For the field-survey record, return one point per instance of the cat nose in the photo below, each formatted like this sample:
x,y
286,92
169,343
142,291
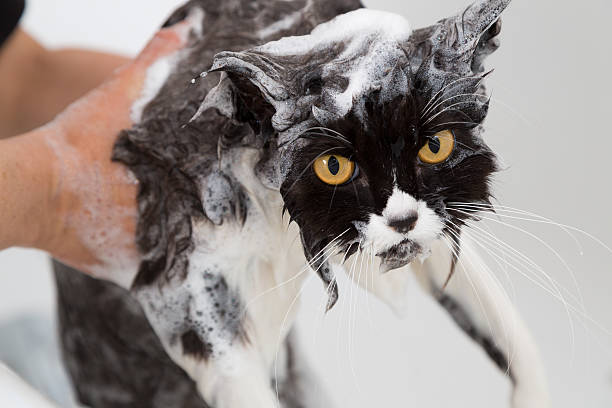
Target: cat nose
x,y
404,225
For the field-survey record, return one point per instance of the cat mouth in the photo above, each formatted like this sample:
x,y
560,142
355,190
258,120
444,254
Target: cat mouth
x,y
398,255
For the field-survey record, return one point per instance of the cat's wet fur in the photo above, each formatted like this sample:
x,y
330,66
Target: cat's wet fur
x,y
219,159
167,201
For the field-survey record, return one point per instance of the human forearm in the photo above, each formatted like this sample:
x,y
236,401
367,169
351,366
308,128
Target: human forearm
x,y
38,83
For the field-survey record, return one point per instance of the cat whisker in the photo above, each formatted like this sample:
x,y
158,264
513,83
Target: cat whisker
x,y
518,114
469,279
450,109
475,100
323,132
331,201
456,246
540,219
554,292
548,246
502,266
511,351
284,322
504,325
280,340
579,311
330,130
334,137
522,259
356,193
342,312
446,124
322,305
324,302
445,87
323,252
458,143
369,280
353,310
510,355
433,108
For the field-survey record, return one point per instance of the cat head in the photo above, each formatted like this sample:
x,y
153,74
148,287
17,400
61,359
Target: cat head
x,y
376,129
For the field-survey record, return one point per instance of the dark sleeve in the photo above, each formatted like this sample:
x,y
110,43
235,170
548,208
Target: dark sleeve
x,y
10,13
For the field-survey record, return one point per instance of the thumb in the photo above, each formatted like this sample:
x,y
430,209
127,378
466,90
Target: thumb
x,y
165,43
110,104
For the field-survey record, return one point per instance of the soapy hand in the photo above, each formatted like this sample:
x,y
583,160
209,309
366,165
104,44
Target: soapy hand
x,y
60,190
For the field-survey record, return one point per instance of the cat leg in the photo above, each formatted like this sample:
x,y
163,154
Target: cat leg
x,y
204,331
481,308
236,380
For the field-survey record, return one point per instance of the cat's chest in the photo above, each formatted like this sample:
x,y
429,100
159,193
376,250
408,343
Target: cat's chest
x,y
257,255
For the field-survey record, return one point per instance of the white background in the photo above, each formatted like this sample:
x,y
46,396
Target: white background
x,y
549,122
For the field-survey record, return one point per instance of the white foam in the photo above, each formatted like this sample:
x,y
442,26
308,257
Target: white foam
x,y
372,41
351,27
97,221
158,73
280,25
156,77
253,259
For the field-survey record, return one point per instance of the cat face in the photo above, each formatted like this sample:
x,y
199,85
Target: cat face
x,y
383,185
376,128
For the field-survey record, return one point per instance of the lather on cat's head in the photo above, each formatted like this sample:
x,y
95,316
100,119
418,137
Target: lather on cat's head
x,y
378,127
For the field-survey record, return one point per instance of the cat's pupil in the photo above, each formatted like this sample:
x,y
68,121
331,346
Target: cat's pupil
x,y
434,145
333,165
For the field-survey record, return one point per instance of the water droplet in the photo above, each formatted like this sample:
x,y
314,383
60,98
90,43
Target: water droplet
x,y
193,81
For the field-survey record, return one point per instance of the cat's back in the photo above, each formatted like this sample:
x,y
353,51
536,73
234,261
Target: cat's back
x,y
112,354
110,351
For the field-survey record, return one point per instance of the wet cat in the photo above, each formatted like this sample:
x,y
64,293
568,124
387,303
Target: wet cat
x,y
320,134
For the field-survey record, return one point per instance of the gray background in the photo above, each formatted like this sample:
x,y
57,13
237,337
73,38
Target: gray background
x,y
548,122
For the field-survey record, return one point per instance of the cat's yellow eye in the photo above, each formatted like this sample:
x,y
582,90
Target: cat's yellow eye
x,y
333,169
437,148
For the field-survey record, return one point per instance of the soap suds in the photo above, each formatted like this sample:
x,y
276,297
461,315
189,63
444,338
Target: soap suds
x,y
158,73
281,25
96,221
156,77
349,27
372,45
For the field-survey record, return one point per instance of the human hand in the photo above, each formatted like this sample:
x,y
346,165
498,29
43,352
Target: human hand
x,y
60,190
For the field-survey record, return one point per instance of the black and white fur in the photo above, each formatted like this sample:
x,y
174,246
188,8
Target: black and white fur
x,y
232,216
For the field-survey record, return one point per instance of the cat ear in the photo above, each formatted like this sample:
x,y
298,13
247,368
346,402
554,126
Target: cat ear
x,y
256,78
254,68
461,43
